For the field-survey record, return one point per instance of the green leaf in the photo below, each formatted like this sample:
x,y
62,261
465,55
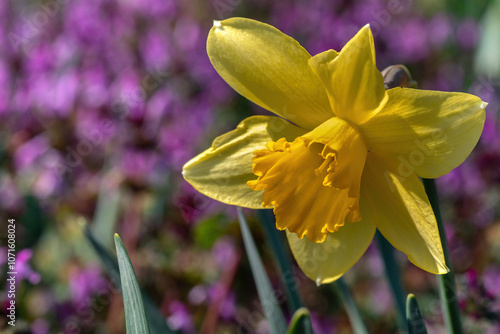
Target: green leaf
x,y
277,245
135,316
416,324
157,322
300,322
267,296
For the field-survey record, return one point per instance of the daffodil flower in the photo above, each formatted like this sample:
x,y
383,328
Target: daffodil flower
x,y
344,156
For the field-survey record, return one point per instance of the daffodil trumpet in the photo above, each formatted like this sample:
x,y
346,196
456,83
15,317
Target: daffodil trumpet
x,y
342,157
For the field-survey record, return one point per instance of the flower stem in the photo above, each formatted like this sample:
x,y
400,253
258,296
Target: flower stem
x,y
446,281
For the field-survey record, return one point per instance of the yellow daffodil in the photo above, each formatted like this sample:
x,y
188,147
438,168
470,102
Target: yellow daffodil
x,y
344,156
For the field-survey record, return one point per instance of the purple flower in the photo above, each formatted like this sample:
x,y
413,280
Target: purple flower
x,y
22,267
409,43
10,194
31,151
156,49
139,165
94,86
382,300
5,77
467,34
439,30
85,283
198,295
225,253
40,326
87,21
180,318
491,281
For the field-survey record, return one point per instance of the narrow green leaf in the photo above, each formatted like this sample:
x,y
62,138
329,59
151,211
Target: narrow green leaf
x,y
277,246
416,324
157,322
300,322
266,293
136,320
358,326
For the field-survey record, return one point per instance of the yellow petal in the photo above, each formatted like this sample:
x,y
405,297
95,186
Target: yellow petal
x,y
355,86
270,69
325,262
313,182
400,209
427,132
222,171
348,149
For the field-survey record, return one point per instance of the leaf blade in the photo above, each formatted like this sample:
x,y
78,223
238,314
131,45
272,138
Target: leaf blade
x,y
157,322
266,294
135,316
300,322
416,323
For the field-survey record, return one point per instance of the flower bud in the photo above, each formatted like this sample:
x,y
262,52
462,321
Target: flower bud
x,y
397,76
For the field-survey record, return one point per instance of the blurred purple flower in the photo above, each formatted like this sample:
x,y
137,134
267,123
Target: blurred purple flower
x,y
198,295
40,326
467,34
22,266
322,325
382,300
94,86
10,194
187,35
228,307
464,180
86,21
439,30
5,77
156,49
85,283
491,280
490,138
31,151
225,253
54,95
495,328
128,94
409,42
139,165
180,318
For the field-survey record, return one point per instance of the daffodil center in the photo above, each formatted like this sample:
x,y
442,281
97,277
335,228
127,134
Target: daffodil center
x,y
314,181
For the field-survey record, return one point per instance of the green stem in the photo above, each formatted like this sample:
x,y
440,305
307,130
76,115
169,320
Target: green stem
x,y
446,281
358,326
394,277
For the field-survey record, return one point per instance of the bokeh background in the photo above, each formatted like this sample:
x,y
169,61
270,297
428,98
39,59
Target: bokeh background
x,y
103,101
